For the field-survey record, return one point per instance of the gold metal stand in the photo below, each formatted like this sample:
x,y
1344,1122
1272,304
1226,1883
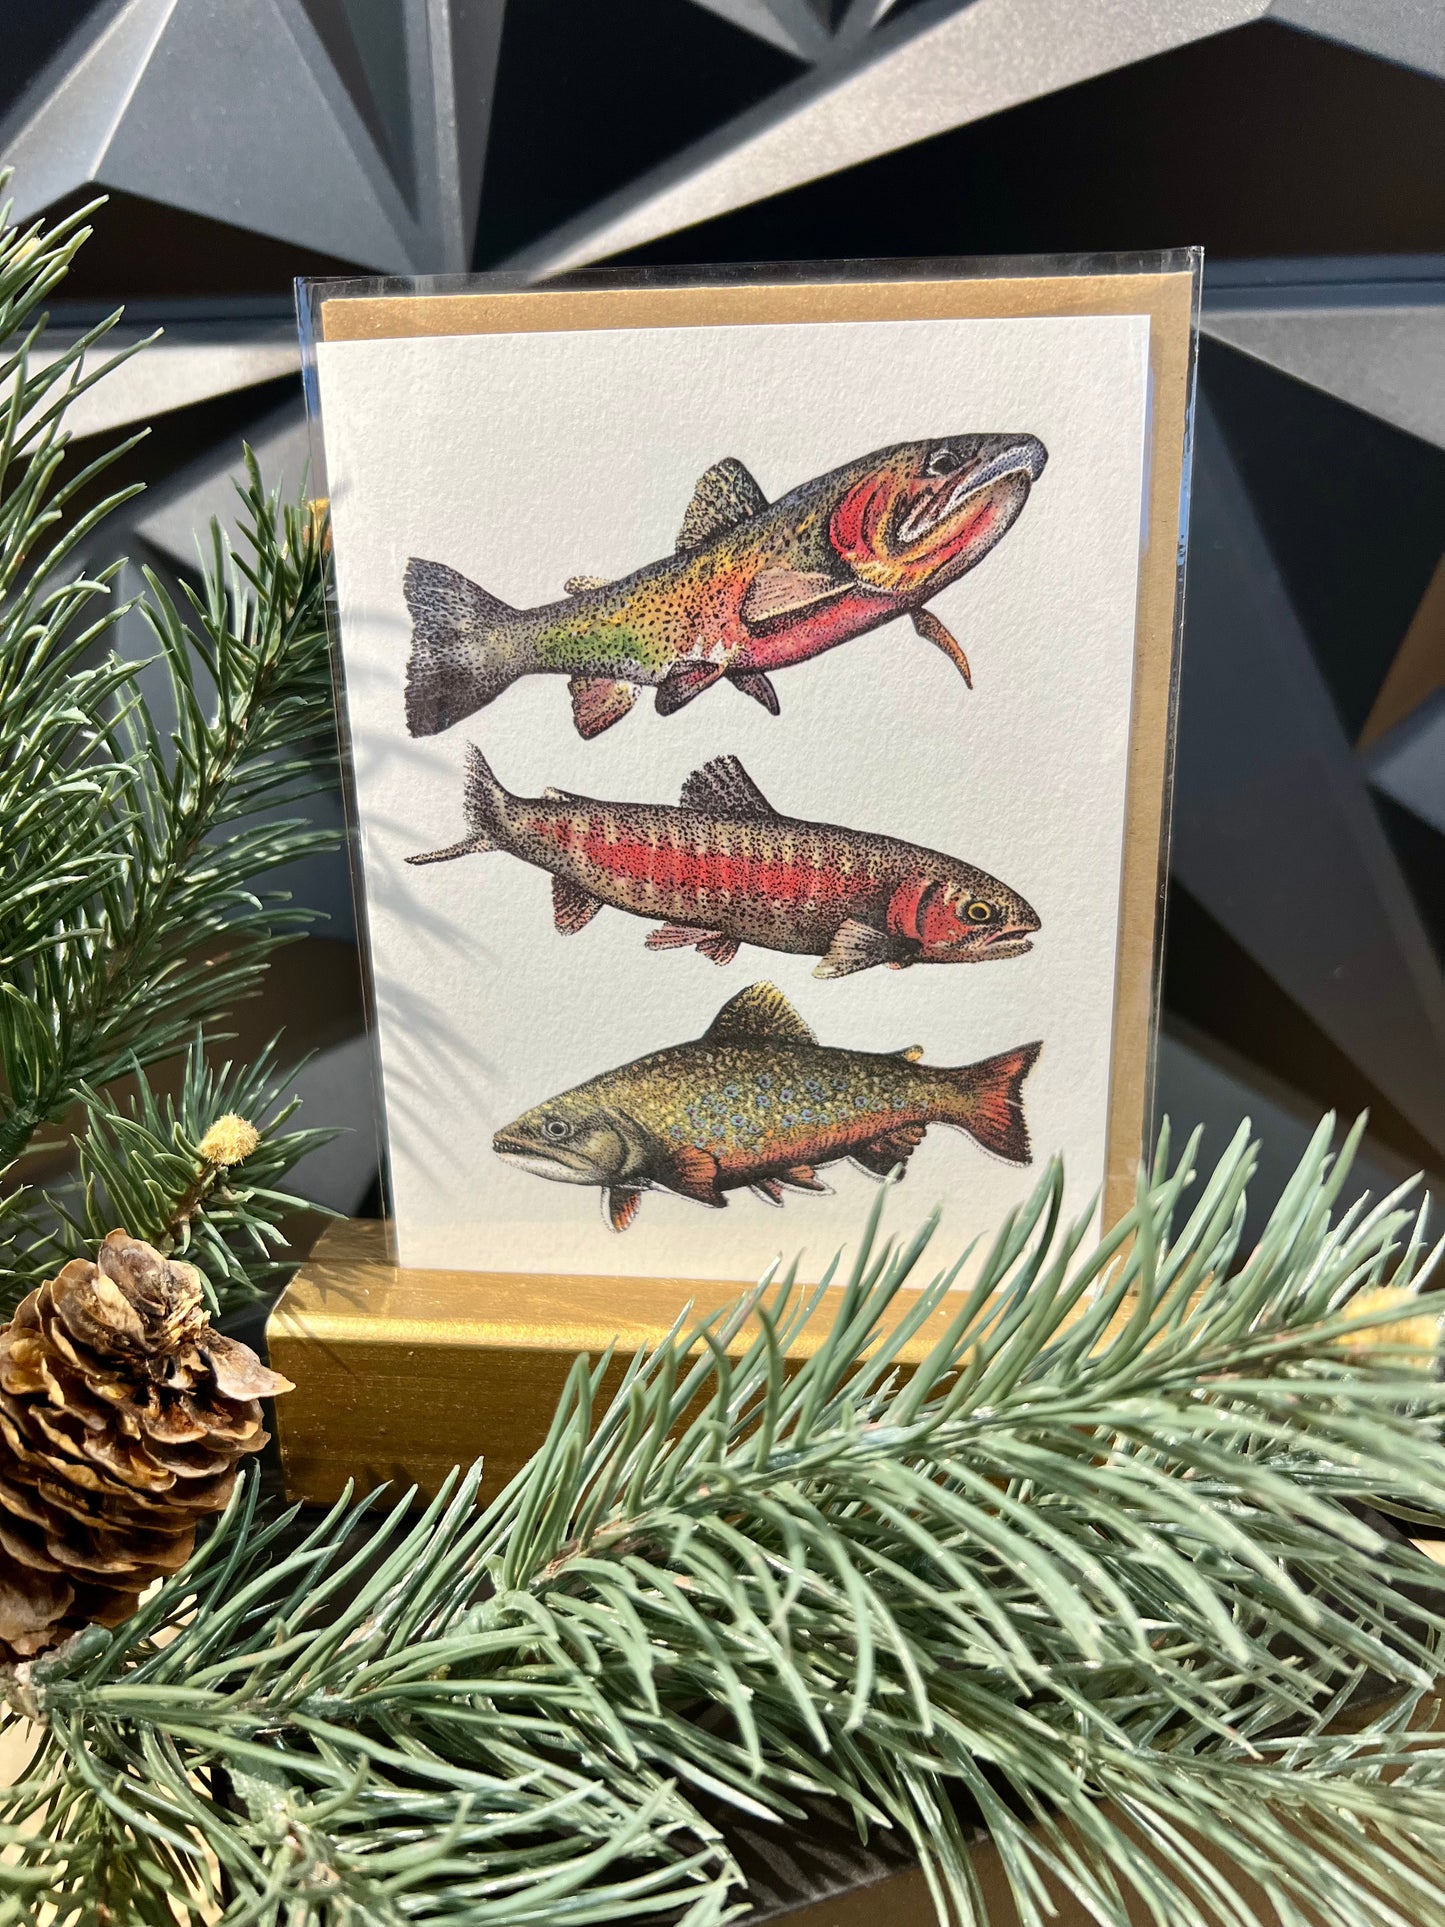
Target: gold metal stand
x,y
403,1374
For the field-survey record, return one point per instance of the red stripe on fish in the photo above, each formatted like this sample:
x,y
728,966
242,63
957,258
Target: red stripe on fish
x,y
719,872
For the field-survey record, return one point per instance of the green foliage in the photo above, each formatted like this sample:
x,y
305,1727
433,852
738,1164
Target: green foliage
x,y
1099,1566
131,836
144,1165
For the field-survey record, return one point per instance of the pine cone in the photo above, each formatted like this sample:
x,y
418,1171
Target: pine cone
x,y
122,1417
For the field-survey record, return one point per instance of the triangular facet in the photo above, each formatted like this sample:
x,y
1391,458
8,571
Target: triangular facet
x,y
1274,833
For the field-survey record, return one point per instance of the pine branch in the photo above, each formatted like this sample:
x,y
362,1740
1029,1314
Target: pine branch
x,y
174,930
196,1176
131,842
1098,1567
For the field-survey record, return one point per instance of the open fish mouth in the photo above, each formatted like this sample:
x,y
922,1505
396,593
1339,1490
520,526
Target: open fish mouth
x,y
1002,946
1013,940
983,948
986,496
524,1155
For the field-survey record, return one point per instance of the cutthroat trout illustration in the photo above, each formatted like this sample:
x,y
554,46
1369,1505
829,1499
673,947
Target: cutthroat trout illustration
x,y
752,586
759,1103
726,869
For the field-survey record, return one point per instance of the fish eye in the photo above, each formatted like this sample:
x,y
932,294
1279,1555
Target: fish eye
x,y
979,911
556,1127
942,461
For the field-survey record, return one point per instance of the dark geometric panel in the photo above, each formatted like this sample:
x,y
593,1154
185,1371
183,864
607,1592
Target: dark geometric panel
x,y
144,248
1202,1082
1420,852
1418,671
589,96
178,437
367,45
1249,144
1214,985
1353,511
1274,831
34,31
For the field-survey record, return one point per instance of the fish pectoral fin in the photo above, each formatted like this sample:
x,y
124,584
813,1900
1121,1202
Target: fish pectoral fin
x,y
684,681
726,494
782,595
573,908
932,630
803,1177
579,584
724,788
695,1175
768,1189
598,703
619,1205
857,946
759,1011
884,1155
754,683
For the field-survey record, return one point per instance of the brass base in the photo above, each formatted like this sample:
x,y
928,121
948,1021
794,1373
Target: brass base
x,y
402,1374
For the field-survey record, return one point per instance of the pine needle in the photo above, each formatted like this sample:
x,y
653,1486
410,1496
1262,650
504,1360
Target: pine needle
x,y
1099,1581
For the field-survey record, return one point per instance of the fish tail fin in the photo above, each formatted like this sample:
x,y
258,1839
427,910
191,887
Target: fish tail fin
x,y
990,1104
485,802
460,660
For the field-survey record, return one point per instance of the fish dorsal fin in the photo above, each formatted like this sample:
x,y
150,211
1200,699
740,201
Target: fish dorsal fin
x,y
723,787
759,1011
725,496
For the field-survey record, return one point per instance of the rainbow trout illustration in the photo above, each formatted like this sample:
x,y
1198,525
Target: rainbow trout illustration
x,y
752,587
726,869
759,1103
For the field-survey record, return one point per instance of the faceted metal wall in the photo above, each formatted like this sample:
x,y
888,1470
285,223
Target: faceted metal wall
x,y
1301,141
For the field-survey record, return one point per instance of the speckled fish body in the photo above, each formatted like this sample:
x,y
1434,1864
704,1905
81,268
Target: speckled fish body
x,y
752,587
759,1103
727,869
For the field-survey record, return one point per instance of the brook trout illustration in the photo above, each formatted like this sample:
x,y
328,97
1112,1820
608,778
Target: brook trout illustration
x,y
751,588
726,869
758,1102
